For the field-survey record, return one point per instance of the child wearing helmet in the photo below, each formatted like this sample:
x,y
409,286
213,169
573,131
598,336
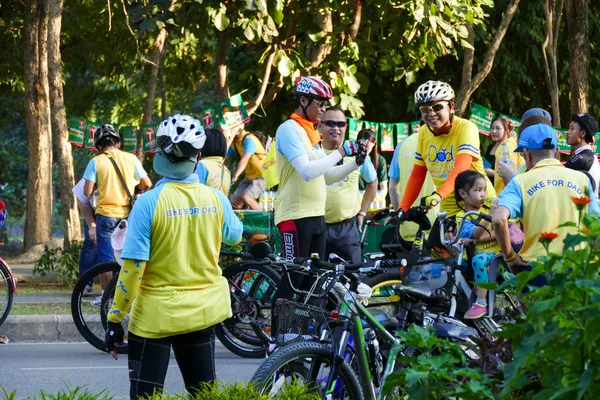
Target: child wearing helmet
x,y
171,251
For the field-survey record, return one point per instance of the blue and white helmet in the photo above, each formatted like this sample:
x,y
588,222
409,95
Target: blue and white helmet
x,y
181,138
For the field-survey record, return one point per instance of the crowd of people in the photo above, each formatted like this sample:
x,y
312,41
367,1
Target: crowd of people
x,y
170,276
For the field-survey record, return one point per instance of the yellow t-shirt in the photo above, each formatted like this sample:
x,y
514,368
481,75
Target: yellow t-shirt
x,y
297,198
511,144
438,154
481,247
219,176
112,198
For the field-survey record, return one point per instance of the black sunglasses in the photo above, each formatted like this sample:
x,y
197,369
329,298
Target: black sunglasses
x,y
333,124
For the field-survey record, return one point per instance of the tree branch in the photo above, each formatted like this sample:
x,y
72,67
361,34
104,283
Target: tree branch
x,y
467,71
465,92
253,105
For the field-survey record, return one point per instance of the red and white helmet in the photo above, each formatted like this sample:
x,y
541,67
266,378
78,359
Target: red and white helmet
x,y
311,86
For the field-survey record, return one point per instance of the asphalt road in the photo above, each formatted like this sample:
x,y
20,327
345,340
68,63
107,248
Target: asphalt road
x,y
29,368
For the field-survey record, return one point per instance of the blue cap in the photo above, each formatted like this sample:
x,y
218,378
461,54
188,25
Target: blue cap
x,y
536,111
537,137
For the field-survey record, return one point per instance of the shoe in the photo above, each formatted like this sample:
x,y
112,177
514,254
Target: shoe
x,y
271,347
97,301
88,288
476,311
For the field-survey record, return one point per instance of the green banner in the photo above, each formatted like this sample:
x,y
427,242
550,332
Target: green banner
x,y
231,113
352,129
387,136
402,131
129,134
148,138
414,127
208,118
90,129
76,131
482,117
562,140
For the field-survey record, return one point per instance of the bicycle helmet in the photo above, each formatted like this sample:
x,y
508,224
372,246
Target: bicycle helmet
x,y
105,131
180,139
313,87
432,91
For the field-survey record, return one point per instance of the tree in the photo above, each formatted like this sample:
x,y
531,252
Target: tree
x,y
60,135
468,86
552,13
37,112
579,53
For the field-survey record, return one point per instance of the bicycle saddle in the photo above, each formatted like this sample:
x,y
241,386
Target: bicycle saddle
x,y
415,290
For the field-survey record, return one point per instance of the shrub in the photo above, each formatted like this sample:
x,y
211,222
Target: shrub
x,y
64,262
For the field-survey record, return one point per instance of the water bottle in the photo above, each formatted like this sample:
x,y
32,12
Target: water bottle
x,y
262,201
504,153
270,201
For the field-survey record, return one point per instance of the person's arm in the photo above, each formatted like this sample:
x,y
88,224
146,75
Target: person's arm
x,y
462,163
140,174
490,173
394,193
88,213
241,166
145,183
90,177
383,186
339,172
130,280
232,227
593,207
368,173
413,187
510,207
394,175
382,176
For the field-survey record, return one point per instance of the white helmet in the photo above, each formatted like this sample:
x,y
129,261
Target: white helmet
x,y
180,137
432,91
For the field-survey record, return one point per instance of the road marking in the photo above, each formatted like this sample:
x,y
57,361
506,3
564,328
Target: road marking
x,y
67,368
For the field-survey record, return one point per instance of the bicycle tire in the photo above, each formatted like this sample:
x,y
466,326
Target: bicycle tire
x,y
236,333
292,357
89,322
5,300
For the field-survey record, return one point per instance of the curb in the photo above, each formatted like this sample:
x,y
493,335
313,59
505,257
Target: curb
x,y
40,328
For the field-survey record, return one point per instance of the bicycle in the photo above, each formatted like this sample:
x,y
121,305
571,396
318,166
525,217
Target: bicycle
x,y
354,367
8,288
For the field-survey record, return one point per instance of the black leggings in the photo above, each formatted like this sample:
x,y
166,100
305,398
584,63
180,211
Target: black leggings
x,y
149,360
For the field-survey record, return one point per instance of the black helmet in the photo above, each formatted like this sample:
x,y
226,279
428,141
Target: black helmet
x,y
105,131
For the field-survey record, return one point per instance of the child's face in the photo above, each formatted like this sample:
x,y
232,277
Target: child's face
x,y
476,195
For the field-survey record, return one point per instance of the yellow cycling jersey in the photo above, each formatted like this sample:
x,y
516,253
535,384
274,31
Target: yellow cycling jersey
x,y
480,247
254,168
511,144
219,176
438,154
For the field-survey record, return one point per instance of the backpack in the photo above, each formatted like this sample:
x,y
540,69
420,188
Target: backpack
x,y
262,138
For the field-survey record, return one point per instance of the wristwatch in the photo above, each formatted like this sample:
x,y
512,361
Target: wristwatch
x,y
364,214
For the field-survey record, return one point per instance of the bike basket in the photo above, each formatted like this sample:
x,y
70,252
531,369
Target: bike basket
x,y
296,322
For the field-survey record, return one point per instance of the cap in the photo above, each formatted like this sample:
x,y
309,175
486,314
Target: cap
x,y
536,111
537,137
164,167
588,123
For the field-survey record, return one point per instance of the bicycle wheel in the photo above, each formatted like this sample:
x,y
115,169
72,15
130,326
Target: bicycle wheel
x,y
6,292
308,363
384,297
252,288
88,317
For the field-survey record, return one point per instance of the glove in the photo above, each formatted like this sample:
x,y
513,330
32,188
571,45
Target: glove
x,y
364,293
353,148
432,200
360,159
114,335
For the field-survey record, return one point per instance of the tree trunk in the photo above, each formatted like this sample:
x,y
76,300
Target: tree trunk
x,y
465,92
163,94
60,134
222,89
155,62
552,12
467,70
356,18
38,221
325,22
579,53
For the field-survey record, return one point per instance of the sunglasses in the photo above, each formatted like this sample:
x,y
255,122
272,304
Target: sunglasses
x,y
436,108
321,103
333,124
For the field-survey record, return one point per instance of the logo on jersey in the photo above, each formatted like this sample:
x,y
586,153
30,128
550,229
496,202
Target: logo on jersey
x,y
181,212
441,155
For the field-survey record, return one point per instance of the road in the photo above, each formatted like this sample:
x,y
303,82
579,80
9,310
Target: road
x,y
28,368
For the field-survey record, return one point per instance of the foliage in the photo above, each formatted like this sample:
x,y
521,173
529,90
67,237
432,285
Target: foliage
x,y
215,391
64,262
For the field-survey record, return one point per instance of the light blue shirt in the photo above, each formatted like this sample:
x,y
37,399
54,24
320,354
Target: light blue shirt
x,y
394,171
367,171
249,147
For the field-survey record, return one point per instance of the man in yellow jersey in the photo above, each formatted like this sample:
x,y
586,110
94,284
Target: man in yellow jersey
x,y
211,169
251,156
541,198
399,173
113,201
447,146
171,278
344,209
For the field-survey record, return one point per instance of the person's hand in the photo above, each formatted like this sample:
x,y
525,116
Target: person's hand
x,y
92,232
353,149
507,170
394,217
490,172
360,218
494,201
517,265
114,335
467,242
233,179
432,200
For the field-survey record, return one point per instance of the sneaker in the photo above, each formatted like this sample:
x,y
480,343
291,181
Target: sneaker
x,y
476,311
97,301
88,288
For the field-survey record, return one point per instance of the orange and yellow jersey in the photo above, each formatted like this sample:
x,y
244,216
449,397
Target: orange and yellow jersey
x,y
438,153
171,276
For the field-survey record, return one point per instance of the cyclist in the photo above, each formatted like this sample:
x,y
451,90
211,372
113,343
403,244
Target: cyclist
x,y
171,277
345,210
448,145
211,169
251,155
540,197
